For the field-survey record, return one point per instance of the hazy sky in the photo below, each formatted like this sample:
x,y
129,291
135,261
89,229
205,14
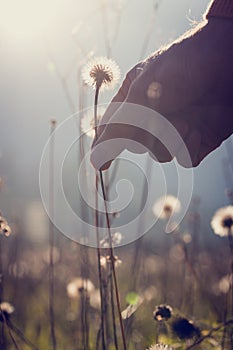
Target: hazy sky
x,y
35,33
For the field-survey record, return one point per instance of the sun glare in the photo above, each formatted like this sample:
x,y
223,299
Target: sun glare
x,y
24,19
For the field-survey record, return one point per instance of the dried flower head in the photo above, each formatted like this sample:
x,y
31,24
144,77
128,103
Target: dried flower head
x,y
4,227
101,72
77,286
162,312
88,123
6,309
165,206
53,122
104,260
160,347
222,221
185,329
116,240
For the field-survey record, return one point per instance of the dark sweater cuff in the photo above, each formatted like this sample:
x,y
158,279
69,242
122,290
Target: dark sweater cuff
x,y
220,8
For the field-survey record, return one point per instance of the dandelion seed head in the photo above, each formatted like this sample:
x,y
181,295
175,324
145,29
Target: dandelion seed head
x,y
117,237
222,221
6,230
162,312
3,222
101,72
160,347
105,260
87,123
4,227
187,238
53,122
166,206
116,240
77,285
6,309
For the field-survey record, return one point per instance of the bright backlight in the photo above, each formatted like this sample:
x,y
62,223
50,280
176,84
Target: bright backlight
x,y
24,19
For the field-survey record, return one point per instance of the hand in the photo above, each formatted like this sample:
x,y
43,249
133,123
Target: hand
x,y
191,84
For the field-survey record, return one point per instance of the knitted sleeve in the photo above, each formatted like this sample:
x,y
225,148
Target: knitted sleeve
x,y
220,8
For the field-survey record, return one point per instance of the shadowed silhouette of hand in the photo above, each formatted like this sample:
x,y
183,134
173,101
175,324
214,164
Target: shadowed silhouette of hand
x,y
190,83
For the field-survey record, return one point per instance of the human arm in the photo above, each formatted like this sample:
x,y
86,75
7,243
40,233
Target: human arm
x,y
194,76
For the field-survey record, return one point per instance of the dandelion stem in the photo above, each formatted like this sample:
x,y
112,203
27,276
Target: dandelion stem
x,y
209,334
18,332
13,339
1,272
112,260
97,230
95,110
113,312
110,281
2,333
225,327
51,239
99,265
231,278
83,250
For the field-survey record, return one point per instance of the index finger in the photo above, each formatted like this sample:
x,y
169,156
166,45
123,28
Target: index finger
x,y
118,98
